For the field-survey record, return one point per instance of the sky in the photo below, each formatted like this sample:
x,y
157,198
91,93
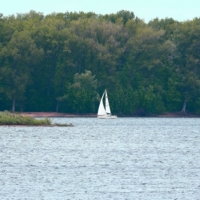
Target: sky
x,y
181,10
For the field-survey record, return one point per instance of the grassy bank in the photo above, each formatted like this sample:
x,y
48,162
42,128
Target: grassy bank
x,y
7,118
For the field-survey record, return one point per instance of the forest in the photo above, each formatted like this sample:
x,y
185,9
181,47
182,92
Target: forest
x,y
62,62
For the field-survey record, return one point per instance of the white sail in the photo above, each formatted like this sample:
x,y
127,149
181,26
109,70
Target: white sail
x,y
105,113
101,110
107,103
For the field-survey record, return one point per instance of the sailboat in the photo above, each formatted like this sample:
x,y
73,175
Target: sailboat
x,y
105,112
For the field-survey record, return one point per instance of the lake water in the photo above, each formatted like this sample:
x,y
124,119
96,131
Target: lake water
x,y
124,158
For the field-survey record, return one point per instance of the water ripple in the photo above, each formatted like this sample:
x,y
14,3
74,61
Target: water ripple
x,y
126,158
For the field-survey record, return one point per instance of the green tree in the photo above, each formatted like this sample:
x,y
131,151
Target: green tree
x,y
187,62
82,95
19,55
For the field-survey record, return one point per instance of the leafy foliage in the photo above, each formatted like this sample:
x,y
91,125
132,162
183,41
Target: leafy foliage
x,y
62,61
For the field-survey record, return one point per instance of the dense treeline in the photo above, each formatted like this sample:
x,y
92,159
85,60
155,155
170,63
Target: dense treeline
x,y
64,61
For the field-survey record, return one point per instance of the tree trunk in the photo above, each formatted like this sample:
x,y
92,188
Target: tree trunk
x,y
184,107
13,105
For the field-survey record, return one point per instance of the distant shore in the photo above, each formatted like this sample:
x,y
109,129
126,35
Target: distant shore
x,y
57,114
178,115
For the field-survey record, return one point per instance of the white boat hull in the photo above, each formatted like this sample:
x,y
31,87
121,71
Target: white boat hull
x,y
106,116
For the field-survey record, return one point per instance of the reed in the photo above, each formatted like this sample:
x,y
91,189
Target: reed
x,y
7,118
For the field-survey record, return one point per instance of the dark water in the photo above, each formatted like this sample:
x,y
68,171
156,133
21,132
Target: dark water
x,y
124,158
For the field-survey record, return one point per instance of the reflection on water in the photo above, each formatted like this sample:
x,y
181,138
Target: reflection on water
x,y
124,158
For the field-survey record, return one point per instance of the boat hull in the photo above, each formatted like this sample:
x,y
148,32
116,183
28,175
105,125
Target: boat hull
x,y
106,116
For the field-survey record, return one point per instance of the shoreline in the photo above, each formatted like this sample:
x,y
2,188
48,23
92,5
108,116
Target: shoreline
x,y
57,114
54,114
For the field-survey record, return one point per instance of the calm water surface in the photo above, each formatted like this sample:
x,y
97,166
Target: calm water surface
x,y
125,158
